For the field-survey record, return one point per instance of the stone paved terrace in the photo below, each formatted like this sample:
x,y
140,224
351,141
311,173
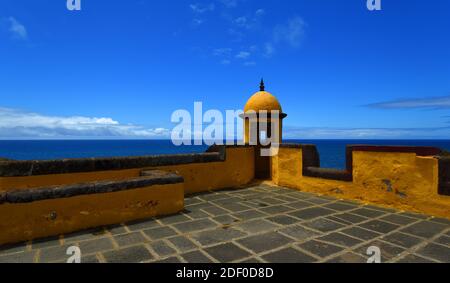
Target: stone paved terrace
x,y
256,224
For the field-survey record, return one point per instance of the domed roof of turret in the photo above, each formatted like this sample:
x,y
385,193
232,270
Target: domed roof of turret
x,y
263,100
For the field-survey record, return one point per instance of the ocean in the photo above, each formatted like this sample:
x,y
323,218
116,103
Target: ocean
x,y
332,152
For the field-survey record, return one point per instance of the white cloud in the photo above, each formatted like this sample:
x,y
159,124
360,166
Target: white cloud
x,y
255,38
17,29
236,34
365,133
442,102
21,124
224,54
269,49
243,55
229,3
260,12
241,21
249,22
250,64
447,118
222,51
197,22
200,9
291,33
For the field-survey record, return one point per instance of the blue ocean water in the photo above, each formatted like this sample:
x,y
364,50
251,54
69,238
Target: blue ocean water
x,y
332,152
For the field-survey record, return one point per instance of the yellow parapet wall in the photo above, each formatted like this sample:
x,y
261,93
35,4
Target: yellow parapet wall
x,y
235,170
31,219
27,221
400,180
238,169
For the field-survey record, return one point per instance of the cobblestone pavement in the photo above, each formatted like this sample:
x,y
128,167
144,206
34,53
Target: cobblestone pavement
x,y
252,225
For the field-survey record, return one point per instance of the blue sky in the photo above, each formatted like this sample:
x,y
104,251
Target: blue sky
x,y
118,69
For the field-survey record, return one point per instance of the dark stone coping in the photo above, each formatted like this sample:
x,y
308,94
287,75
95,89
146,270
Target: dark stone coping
x,y
222,148
291,145
151,178
326,173
418,150
444,176
14,168
66,166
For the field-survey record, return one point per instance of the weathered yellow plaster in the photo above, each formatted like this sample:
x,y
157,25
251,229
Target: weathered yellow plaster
x,y
21,222
237,170
399,180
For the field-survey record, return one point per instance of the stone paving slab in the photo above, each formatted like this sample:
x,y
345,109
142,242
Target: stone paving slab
x,y
257,224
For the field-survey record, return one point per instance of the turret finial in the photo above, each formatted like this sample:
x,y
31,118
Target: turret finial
x,y
261,86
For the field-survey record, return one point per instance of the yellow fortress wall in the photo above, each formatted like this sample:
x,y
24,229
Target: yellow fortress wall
x,y
236,169
401,180
233,167
21,222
